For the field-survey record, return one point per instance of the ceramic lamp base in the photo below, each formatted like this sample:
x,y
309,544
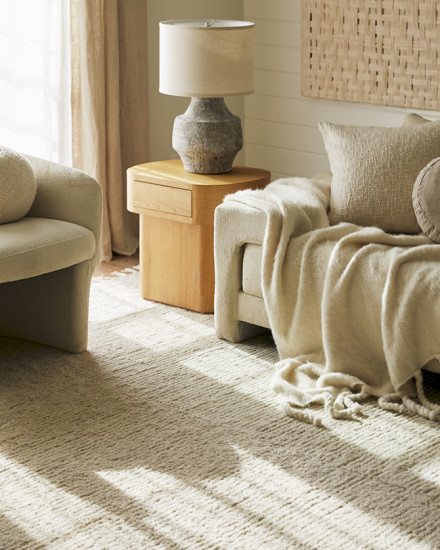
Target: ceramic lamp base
x,y
207,136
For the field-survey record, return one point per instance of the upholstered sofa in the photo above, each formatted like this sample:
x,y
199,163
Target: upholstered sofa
x,y
48,255
342,268
240,311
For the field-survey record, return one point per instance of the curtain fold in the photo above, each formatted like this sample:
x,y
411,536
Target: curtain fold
x,y
109,60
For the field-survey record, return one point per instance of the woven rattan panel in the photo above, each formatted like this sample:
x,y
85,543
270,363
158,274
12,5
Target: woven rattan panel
x,y
384,52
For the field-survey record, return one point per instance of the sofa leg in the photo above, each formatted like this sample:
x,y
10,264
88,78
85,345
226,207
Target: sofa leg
x,y
239,331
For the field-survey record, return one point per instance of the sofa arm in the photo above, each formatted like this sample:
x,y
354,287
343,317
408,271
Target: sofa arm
x,y
235,224
67,194
243,219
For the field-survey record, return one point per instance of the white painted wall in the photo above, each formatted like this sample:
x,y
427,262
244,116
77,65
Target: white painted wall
x,y
281,132
164,108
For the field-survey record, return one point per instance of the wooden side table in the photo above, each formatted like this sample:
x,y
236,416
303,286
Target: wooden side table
x,y
176,211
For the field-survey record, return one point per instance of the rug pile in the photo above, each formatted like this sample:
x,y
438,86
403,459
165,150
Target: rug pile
x,y
163,436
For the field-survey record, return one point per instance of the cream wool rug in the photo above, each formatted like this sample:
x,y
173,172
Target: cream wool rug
x,y
162,436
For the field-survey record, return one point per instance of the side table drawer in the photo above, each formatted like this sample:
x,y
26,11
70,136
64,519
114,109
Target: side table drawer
x,y
160,198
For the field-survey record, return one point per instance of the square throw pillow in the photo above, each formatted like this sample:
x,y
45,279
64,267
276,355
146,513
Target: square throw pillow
x,y
374,170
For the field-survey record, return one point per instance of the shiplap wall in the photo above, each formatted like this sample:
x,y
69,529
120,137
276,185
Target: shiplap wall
x,y
280,126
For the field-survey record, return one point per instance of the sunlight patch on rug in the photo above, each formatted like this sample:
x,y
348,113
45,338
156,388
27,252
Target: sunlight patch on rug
x,y
244,371
64,512
429,471
172,324
377,438
276,496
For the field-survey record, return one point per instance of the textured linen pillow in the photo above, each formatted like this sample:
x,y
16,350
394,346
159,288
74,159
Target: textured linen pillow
x,y
18,186
426,199
373,172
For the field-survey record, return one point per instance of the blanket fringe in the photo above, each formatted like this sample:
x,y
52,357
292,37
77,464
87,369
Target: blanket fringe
x,y
344,406
304,415
401,402
421,394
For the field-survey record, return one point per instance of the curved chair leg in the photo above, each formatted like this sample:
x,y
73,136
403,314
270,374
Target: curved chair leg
x,y
51,309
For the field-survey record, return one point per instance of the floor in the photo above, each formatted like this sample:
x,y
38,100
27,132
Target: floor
x,y
116,264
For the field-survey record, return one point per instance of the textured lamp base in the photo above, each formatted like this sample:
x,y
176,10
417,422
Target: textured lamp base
x,y
207,136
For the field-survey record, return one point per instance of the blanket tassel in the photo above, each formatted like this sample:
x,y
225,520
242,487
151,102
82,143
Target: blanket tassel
x,y
346,405
402,402
301,414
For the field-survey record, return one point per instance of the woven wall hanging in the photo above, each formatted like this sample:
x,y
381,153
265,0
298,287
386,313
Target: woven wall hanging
x,y
385,52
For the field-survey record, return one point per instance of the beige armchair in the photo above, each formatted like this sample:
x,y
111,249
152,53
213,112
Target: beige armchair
x,y
47,259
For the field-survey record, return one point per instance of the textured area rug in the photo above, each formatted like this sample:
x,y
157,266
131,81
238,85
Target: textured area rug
x,y
163,436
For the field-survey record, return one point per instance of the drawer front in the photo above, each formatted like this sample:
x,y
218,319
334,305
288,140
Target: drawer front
x,y
160,198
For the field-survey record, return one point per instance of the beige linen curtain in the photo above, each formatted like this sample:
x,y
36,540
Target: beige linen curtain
x,y
110,105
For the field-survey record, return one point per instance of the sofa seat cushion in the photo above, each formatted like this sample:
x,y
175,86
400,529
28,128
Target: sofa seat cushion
x,y
251,281
34,246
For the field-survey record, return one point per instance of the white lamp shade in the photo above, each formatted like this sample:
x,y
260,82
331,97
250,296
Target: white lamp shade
x,y
206,58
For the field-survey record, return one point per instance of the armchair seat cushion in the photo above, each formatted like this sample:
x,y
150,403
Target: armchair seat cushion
x,y
34,246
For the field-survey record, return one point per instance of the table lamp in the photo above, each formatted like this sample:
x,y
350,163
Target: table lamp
x,y
206,60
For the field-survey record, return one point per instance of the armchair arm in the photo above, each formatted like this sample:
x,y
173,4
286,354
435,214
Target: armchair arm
x,y
67,194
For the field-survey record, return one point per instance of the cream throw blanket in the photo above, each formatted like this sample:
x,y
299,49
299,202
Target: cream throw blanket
x,y
353,310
